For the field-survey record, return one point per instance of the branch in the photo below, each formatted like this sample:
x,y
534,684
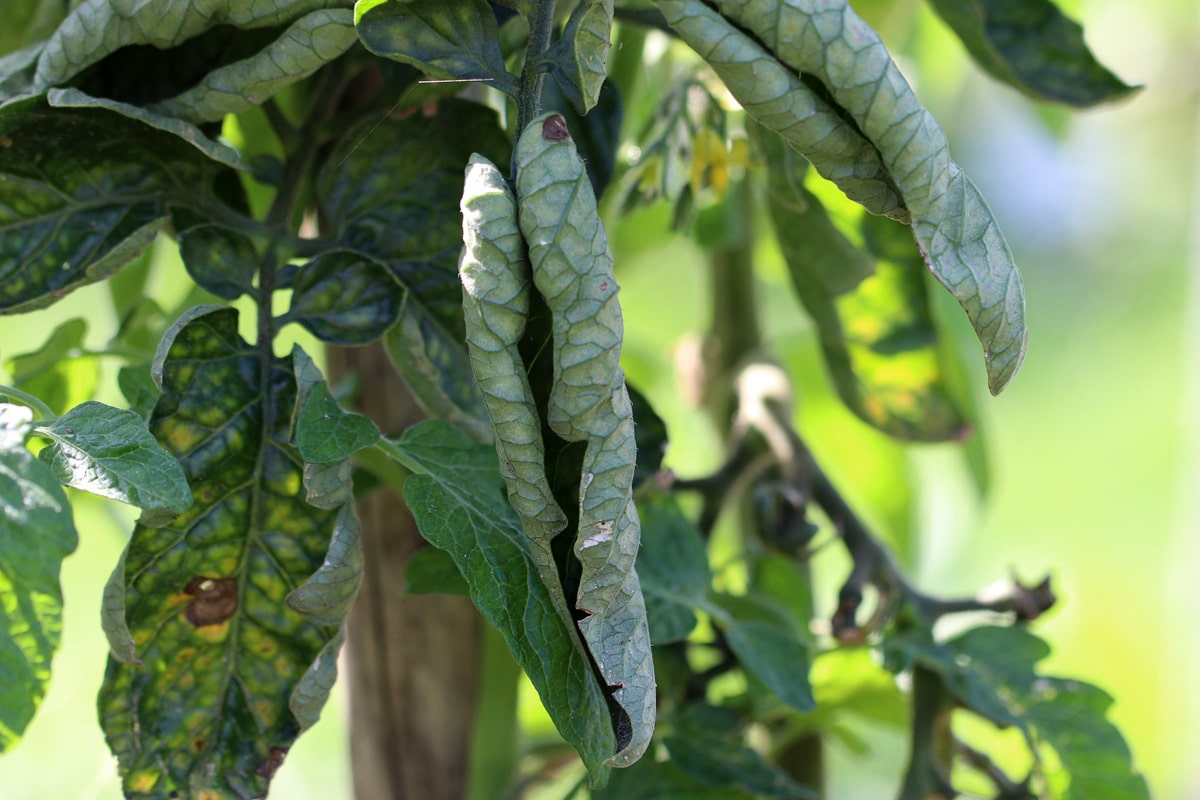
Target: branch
x,y
1007,788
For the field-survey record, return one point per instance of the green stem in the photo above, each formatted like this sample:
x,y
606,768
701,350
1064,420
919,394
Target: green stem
x,y
494,752
40,409
541,30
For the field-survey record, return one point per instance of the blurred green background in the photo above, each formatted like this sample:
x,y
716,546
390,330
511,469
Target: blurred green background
x,y
1095,448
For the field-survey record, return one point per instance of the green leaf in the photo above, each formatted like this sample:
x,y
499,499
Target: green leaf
x,y
217,151
991,671
225,623
776,656
1031,45
308,44
597,136
457,498
577,59
82,193
709,747
345,298
109,452
323,431
61,373
138,388
456,39
433,571
957,235
661,780
18,74
36,533
220,260
392,190
28,22
869,304
673,567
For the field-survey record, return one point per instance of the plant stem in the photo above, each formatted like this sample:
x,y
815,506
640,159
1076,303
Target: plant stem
x,y
541,30
40,409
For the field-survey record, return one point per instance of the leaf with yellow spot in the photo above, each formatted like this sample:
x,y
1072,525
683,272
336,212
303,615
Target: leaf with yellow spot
x,y
216,671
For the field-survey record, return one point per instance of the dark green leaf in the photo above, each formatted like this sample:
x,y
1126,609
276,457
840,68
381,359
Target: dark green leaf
x,y
61,373
870,306
138,388
224,625
82,193
217,151
323,431
433,571
457,497
709,747
345,298
36,533
577,60
661,780
673,568
109,452
597,136
651,434
221,260
773,653
457,39
392,190
1031,45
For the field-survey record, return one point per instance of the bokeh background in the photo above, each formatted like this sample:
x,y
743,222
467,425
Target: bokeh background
x,y
1094,449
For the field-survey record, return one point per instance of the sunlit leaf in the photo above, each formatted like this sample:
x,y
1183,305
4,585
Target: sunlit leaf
x,y
452,40
60,373
1031,45
109,452
36,533
224,624
457,498
345,298
82,193
323,431
577,59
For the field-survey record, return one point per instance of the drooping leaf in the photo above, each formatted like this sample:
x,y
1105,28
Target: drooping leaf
x,y
457,498
869,304
60,373
36,533
709,747
1032,45
82,193
221,260
991,670
308,44
18,74
597,136
217,151
451,40
345,298
577,59
392,190
109,452
673,567
324,432
837,51
224,624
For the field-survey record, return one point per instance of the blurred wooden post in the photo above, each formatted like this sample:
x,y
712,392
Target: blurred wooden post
x,y
413,662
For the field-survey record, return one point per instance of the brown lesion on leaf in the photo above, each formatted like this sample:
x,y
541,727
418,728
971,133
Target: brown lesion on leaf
x,y
216,600
554,129
274,761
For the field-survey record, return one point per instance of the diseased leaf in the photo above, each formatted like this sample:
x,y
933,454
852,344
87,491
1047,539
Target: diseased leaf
x,y
36,533
392,190
82,193
597,136
458,500
323,431
221,260
345,298
224,624
60,373
1032,45
842,58
217,151
456,39
308,44
109,452
673,567
18,74
577,59
869,304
